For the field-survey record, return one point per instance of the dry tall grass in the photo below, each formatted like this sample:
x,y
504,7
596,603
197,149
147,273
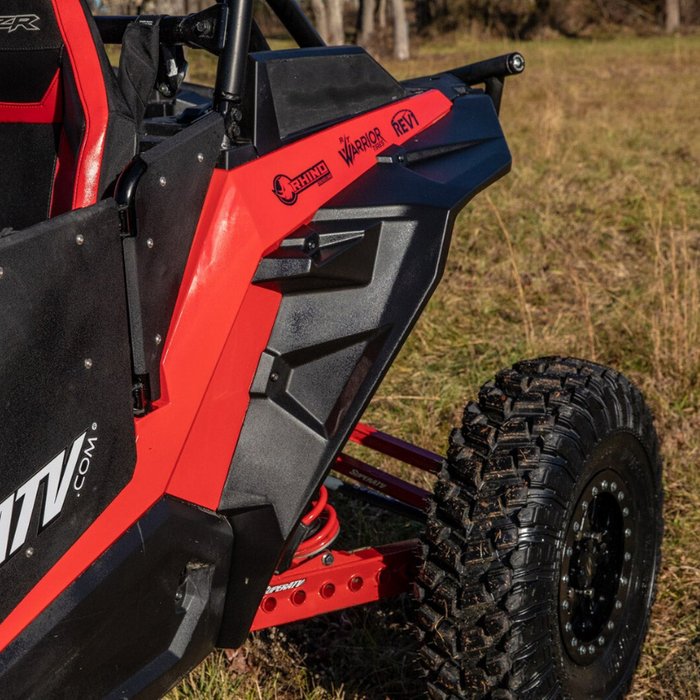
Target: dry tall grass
x,y
590,247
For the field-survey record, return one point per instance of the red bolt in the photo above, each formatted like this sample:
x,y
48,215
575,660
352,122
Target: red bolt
x,y
327,590
298,597
355,583
269,604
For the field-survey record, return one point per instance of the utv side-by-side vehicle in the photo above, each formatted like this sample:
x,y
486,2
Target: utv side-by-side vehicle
x,y
200,291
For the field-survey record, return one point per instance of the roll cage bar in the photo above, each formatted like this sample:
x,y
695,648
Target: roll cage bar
x,y
229,31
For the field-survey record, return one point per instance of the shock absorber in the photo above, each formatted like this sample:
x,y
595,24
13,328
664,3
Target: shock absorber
x,y
322,527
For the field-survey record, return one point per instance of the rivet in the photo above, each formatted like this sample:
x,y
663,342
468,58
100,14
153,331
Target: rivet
x,y
163,181
150,243
274,377
200,157
80,239
613,487
601,640
29,552
94,426
621,496
594,490
628,533
625,511
158,339
88,363
2,272
604,485
618,604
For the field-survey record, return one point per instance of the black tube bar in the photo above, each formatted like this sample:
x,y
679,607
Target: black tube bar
x,y
230,75
296,23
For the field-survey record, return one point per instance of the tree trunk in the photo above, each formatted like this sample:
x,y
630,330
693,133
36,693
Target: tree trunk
x,y
401,52
366,21
335,22
673,16
382,14
320,18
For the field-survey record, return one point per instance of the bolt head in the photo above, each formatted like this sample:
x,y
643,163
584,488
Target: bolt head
x,y
628,556
29,552
621,496
569,551
88,363
601,641
327,559
200,157
565,578
577,527
94,426
150,243
623,581
618,604
163,181
574,642
625,511
568,627
604,485
274,377
565,604
628,533
613,486
594,490
611,625
584,505
80,239
158,339
2,272
591,649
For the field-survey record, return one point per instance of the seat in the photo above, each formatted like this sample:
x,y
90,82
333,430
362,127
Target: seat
x,y
65,129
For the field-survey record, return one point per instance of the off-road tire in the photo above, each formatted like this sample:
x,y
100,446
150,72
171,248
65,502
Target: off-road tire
x,y
543,440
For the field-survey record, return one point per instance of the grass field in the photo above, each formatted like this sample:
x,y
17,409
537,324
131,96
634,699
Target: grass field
x,y
590,247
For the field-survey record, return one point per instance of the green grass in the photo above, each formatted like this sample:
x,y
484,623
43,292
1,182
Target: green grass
x,y
602,212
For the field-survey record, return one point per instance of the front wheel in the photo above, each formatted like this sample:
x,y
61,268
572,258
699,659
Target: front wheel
x,y
543,539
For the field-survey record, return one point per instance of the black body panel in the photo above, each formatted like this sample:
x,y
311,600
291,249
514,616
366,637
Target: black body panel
x,y
136,621
345,315
295,92
66,382
169,195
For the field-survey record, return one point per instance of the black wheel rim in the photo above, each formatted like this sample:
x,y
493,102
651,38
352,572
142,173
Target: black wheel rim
x,y
596,567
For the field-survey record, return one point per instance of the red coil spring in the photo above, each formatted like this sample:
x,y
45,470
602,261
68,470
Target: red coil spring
x,y
324,514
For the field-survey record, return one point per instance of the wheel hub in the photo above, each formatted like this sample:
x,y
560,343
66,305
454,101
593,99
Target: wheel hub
x,y
596,567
